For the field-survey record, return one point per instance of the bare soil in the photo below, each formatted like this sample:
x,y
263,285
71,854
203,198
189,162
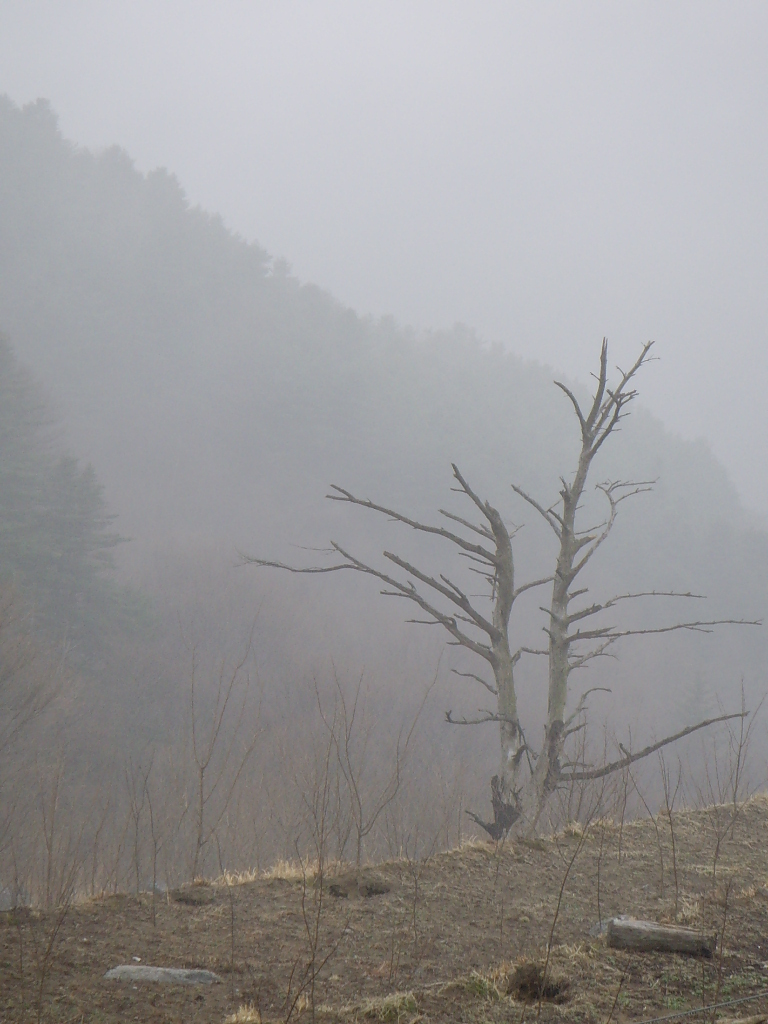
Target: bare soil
x,y
463,937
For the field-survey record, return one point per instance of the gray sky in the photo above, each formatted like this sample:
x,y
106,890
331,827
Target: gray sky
x,y
545,172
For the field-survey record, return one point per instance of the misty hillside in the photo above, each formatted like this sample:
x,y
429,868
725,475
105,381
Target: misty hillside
x,y
57,539
217,398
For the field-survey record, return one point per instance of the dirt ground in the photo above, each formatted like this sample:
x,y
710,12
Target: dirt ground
x,y
450,940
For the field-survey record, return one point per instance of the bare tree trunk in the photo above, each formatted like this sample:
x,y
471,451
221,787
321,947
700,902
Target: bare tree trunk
x,y
503,664
546,774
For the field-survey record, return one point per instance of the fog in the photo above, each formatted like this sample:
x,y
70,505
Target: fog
x,y
544,173
253,251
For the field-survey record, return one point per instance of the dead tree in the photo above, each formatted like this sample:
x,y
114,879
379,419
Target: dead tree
x,y
576,636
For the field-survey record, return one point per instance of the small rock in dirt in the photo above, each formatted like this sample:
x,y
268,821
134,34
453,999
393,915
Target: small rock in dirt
x,y
166,975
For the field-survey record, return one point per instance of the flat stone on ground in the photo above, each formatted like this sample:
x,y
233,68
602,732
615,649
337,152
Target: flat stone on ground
x,y
166,975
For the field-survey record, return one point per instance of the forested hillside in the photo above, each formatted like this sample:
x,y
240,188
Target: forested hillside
x,y
56,537
217,397
72,634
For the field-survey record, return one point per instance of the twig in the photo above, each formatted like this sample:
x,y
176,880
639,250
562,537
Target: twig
x,y
618,993
231,900
722,945
571,862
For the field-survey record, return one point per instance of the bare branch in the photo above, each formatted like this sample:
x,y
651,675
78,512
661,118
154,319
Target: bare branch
x,y
605,414
576,406
548,514
482,505
610,490
531,585
569,732
581,706
471,675
488,716
528,650
447,589
476,558
602,378
696,627
599,652
482,530
408,591
593,609
438,531
487,576
310,570
615,766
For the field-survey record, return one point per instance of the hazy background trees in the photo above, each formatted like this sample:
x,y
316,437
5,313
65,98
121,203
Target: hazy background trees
x,y
215,396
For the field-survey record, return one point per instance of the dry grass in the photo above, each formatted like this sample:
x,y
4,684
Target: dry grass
x,y
245,1014
230,878
573,828
388,1009
689,912
478,984
290,871
294,871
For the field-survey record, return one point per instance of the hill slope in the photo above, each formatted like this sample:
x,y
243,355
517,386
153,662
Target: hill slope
x,y
218,397
444,941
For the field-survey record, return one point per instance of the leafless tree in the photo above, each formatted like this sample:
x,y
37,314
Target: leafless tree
x,y
137,786
317,794
61,840
29,677
351,729
670,795
576,636
219,757
723,791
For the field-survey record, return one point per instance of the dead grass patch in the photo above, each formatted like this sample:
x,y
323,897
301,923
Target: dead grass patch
x,y
289,871
392,1008
245,1014
477,984
689,911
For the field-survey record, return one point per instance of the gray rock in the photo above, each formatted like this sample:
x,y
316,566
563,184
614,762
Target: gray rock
x,y
165,975
14,896
161,889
